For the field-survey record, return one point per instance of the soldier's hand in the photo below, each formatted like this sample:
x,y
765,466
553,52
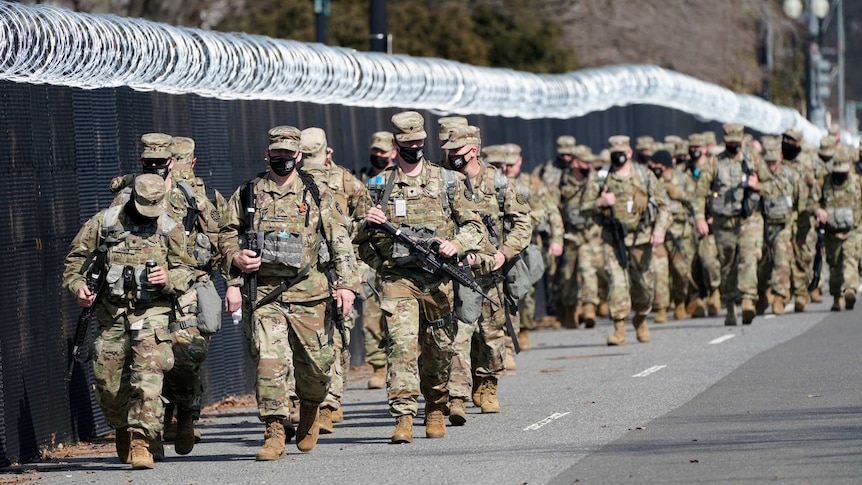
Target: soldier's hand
x,y
555,249
344,300
447,248
607,199
821,215
246,261
158,276
754,182
499,260
702,227
85,297
657,238
232,299
376,215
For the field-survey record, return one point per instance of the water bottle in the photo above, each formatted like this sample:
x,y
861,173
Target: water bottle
x,y
237,316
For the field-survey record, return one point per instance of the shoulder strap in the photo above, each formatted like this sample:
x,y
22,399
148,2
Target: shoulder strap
x,y
500,184
448,177
312,188
191,205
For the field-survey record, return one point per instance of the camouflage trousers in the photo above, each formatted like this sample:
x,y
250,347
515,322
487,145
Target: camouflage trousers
x,y
567,282
183,386
632,289
773,271
340,365
129,369
421,329
672,267
592,277
804,238
843,260
372,332
283,333
707,253
526,311
461,372
740,246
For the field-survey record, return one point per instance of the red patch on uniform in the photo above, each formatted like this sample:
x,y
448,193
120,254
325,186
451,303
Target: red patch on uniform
x,y
303,207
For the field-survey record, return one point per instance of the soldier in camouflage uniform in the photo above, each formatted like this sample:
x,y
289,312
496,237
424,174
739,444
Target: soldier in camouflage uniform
x,y
581,229
780,210
840,210
382,157
423,200
444,126
506,216
673,282
634,197
706,269
732,188
349,193
644,148
302,233
134,311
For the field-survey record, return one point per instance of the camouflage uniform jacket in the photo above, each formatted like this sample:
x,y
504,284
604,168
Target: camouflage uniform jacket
x,y
789,194
842,202
427,204
550,175
810,173
292,209
347,190
544,211
641,204
728,169
580,227
680,191
132,245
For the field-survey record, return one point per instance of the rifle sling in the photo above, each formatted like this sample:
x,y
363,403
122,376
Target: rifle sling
x,y
284,286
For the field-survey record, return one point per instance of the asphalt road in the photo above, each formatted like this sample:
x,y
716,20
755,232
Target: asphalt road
x,y
776,401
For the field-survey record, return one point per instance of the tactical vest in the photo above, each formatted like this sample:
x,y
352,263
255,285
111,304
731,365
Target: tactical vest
x,y
638,183
495,191
839,203
573,216
676,207
129,248
728,192
778,208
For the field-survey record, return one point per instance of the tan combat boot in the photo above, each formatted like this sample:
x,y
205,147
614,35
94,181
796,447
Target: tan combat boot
x,y
185,438
308,430
435,425
378,378
680,311
730,318
588,314
324,420
849,298
778,305
490,403
748,311
816,296
140,455
619,335
123,442
837,304
661,315
169,432
273,440
478,389
641,329
604,309
293,408
338,415
403,432
524,339
509,363
713,303
699,308
799,303
457,413
690,306
157,449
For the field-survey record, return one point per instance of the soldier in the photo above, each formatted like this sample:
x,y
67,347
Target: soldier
x,y
444,126
142,252
633,199
732,188
706,269
382,157
506,216
580,230
287,316
348,193
780,210
673,280
547,225
839,210
644,149
417,305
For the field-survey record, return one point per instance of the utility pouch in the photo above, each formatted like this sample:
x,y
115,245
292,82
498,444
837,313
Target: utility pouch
x,y
202,250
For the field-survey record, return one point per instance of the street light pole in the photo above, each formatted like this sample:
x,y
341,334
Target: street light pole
x,y
842,121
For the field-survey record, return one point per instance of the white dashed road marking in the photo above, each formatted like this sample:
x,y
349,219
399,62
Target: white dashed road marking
x,y
721,339
649,371
545,421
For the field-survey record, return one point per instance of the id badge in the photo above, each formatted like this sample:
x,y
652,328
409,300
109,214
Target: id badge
x,y
400,208
630,205
789,201
139,325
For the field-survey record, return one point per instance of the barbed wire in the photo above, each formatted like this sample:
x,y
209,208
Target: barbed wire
x,y
43,44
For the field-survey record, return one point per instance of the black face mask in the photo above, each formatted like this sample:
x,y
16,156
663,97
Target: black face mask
x,y
561,162
457,162
132,213
790,151
618,159
839,178
733,149
657,171
584,171
158,167
379,162
825,159
282,166
411,155
695,154
643,158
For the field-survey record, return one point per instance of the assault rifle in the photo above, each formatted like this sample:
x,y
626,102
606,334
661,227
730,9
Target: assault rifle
x,y
252,240
618,237
499,277
747,209
433,262
94,267
818,257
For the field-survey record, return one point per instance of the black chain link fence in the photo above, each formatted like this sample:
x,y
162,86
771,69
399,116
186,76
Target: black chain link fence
x,y
60,148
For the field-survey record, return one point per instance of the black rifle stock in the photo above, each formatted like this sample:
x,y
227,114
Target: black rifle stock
x,y
95,271
818,257
251,241
618,236
747,209
434,263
